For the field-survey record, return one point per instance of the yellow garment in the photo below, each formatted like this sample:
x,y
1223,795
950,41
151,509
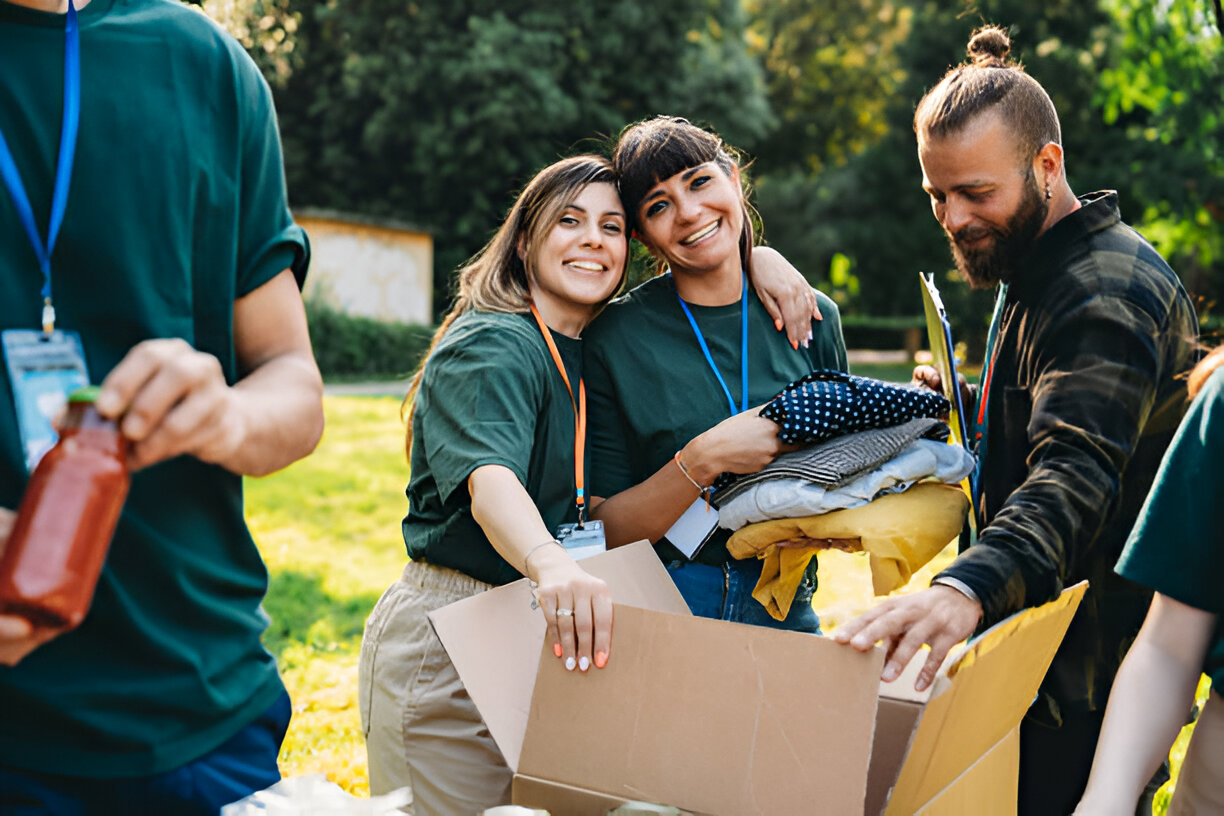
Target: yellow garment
x,y
900,531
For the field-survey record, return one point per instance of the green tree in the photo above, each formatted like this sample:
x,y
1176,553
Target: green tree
x,y
436,111
1165,96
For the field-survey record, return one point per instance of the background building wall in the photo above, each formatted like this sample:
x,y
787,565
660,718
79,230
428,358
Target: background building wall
x,y
368,267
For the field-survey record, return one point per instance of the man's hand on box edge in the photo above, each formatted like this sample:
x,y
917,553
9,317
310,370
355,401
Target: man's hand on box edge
x,y
940,617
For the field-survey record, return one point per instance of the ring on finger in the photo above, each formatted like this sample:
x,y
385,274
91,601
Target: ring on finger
x,y
565,613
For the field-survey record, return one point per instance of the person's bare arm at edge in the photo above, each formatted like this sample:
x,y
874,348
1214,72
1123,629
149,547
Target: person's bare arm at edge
x,y
506,513
744,443
939,616
174,400
786,295
1151,695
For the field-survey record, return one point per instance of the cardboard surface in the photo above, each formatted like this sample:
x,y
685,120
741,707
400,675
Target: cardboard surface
x,y
990,786
724,718
495,638
992,686
710,716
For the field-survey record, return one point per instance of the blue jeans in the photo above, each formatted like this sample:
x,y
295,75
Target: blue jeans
x,y
725,593
244,764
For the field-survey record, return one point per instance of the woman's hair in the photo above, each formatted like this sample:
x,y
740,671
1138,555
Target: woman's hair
x,y
1204,369
989,81
495,278
656,149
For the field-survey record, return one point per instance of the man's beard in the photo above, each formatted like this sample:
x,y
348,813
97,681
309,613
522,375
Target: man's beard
x,y
999,259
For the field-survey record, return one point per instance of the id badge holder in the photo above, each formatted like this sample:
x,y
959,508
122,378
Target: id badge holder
x,y
694,528
43,370
582,542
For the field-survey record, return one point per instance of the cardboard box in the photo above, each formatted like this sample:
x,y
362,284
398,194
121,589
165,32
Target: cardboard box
x,y
724,718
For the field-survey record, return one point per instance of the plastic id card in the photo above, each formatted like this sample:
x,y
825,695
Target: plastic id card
x,y
694,528
43,370
584,541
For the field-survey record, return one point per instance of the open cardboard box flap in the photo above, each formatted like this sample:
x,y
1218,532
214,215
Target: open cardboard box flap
x,y
711,717
983,695
495,638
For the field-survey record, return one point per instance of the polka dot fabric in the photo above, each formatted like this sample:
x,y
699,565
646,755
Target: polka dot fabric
x,y
826,404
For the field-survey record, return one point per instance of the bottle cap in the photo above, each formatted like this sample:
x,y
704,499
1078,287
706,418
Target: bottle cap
x,y
87,394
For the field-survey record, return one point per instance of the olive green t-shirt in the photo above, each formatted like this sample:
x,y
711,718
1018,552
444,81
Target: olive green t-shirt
x,y
1177,545
651,389
176,209
490,395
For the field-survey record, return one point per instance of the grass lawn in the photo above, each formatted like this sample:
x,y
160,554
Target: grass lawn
x,y
329,529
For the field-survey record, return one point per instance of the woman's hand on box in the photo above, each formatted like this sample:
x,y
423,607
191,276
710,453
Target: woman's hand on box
x,y
577,607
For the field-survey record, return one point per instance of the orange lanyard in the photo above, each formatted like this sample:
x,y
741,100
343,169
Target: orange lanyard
x,y
579,414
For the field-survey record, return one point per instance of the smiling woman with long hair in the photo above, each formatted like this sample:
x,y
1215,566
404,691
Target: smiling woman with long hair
x,y
491,437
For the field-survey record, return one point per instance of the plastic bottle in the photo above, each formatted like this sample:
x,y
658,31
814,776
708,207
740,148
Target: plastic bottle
x,y
67,516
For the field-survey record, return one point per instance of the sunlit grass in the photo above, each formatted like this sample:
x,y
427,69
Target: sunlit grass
x,y
329,529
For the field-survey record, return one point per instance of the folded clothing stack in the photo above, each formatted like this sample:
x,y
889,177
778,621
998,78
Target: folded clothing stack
x,y
880,478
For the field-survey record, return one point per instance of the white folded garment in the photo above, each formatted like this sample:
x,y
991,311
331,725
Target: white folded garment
x,y
921,460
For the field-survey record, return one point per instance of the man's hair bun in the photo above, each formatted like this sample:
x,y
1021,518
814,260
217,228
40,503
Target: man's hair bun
x,y
989,46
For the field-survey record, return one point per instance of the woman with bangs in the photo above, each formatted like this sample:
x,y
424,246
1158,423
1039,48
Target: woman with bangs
x,y
494,420
678,368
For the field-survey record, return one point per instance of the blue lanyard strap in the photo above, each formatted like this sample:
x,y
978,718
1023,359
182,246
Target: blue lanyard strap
x,y
705,349
63,171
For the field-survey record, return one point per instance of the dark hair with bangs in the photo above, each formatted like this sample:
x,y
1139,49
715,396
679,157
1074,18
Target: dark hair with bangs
x,y
990,82
654,150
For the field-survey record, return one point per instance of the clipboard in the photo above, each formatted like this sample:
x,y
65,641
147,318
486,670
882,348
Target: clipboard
x,y
943,355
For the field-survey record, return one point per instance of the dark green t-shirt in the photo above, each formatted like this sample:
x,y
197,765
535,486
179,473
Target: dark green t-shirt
x,y
177,208
490,395
1177,545
651,389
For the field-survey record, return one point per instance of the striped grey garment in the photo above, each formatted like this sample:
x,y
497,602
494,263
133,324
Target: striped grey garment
x,y
840,460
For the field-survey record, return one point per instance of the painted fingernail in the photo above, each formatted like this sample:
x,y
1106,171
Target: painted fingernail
x,y
584,663
557,649
778,324
569,664
890,672
795,345
601,659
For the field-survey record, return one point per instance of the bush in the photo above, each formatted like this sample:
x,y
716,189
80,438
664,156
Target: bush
x,y
351,346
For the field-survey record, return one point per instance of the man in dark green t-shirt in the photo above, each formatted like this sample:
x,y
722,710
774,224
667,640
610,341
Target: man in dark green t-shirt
x,y
178,265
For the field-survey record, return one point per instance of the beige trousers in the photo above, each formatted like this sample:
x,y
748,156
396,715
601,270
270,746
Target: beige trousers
x,y
422,731
1200,783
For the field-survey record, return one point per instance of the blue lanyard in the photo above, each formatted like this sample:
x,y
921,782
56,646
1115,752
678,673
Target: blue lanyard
x,y
743,351
63,171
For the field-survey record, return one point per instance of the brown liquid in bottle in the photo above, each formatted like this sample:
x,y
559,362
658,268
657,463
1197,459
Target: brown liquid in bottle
x,y
67,516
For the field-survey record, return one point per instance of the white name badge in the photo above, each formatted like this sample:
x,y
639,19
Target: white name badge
x,y
43,370
582,542
694,528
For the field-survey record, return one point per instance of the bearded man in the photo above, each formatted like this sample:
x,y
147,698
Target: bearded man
x,y
1079,399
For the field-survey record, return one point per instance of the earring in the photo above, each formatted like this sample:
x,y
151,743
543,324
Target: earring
x,y
1048,193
